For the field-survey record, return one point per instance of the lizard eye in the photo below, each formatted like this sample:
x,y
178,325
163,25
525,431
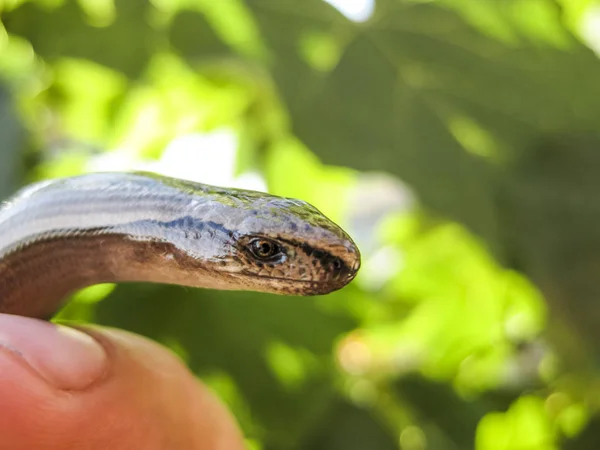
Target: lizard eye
x,y
264,249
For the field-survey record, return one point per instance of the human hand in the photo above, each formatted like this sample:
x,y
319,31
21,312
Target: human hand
x,y
101,388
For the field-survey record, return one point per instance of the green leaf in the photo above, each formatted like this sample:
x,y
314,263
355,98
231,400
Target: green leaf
x,y
11,144
524,426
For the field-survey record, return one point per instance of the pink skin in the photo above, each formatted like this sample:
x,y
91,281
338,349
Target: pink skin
x,y
98,388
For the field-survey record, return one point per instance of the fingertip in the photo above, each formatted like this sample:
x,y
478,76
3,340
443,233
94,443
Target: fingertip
x,y
64,357
144,396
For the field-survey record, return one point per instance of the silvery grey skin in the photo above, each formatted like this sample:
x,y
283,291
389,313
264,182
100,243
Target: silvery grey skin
x,y
59,236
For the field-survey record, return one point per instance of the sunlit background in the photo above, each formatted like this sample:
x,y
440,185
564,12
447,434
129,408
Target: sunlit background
x,y
456,140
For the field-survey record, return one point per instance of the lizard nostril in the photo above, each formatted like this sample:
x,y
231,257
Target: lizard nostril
x,y
337,264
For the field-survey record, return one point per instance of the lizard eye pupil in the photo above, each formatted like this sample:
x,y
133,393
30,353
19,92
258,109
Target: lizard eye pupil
x,y
264,249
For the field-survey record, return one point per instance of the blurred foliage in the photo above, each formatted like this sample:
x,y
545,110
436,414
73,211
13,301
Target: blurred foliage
x,y
456,140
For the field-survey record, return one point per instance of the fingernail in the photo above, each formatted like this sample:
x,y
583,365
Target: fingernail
x,y
65,357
